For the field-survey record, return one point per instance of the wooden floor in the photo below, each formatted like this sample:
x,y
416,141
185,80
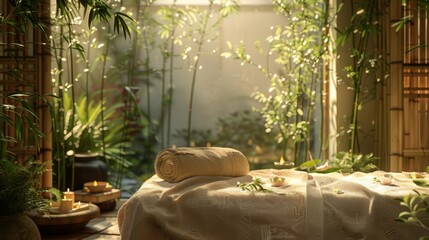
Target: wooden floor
x,y
103,227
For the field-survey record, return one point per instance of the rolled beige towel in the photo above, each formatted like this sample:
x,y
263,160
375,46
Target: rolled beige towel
x,y
176,164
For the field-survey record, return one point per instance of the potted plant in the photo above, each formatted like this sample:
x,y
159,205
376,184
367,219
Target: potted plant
x,y
20,181
19,194
90,157
20,189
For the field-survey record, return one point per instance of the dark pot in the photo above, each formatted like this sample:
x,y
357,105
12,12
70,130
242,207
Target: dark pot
x,y
18,227
88,168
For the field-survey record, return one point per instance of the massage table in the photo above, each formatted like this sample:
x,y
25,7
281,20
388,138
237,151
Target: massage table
x,y
309,206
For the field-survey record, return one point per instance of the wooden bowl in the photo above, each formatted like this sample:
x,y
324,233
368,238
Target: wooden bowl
x,y
97,187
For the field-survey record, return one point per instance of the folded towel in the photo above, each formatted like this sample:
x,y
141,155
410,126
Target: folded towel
x,y
176,164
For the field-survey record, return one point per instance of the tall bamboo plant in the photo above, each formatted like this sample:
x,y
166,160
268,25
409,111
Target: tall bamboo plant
x,y
136,72
200,36
173,19
362,73
136,75
65,46
177,28
298,49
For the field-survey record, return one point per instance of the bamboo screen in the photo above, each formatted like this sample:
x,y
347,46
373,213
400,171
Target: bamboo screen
x,y
18,72
416,88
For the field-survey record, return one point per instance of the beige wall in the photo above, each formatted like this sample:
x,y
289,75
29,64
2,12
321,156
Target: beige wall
x,y
223,85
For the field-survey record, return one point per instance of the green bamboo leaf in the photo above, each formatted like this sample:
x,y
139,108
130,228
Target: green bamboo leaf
x,y
309,164
421,182
404,214
91,17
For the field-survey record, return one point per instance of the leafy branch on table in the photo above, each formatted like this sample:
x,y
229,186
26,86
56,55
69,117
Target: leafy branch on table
x,y
254,185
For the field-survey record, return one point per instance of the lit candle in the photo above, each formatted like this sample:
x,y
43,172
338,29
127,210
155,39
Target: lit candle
x,y
69,195
95,186
278,181
66,205
283,164
282,160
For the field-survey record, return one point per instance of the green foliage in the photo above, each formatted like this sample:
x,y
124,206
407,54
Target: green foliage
x,y
421,182
242,130
417,212
200,137
297,49
163,34
18,187
408,19
81,117
19,183
362,74
254,185
18,114
95,10
14,25
344,162
348,162
200,36
88,132
311,166
87,128
22,15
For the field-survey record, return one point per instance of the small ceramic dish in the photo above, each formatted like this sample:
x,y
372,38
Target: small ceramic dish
x,y
386,180
278,181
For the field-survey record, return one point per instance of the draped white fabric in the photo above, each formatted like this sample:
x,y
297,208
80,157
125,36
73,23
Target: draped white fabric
x,y
311,206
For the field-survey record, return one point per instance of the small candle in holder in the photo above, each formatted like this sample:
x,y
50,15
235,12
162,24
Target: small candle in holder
x,y
66,205
283,164
96,187
69,195
278,181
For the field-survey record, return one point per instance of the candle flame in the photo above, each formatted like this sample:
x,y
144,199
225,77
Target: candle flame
x,y
107,185
68,190
95,183
282,160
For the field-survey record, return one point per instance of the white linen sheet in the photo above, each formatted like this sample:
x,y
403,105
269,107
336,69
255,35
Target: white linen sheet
x,y
310,206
